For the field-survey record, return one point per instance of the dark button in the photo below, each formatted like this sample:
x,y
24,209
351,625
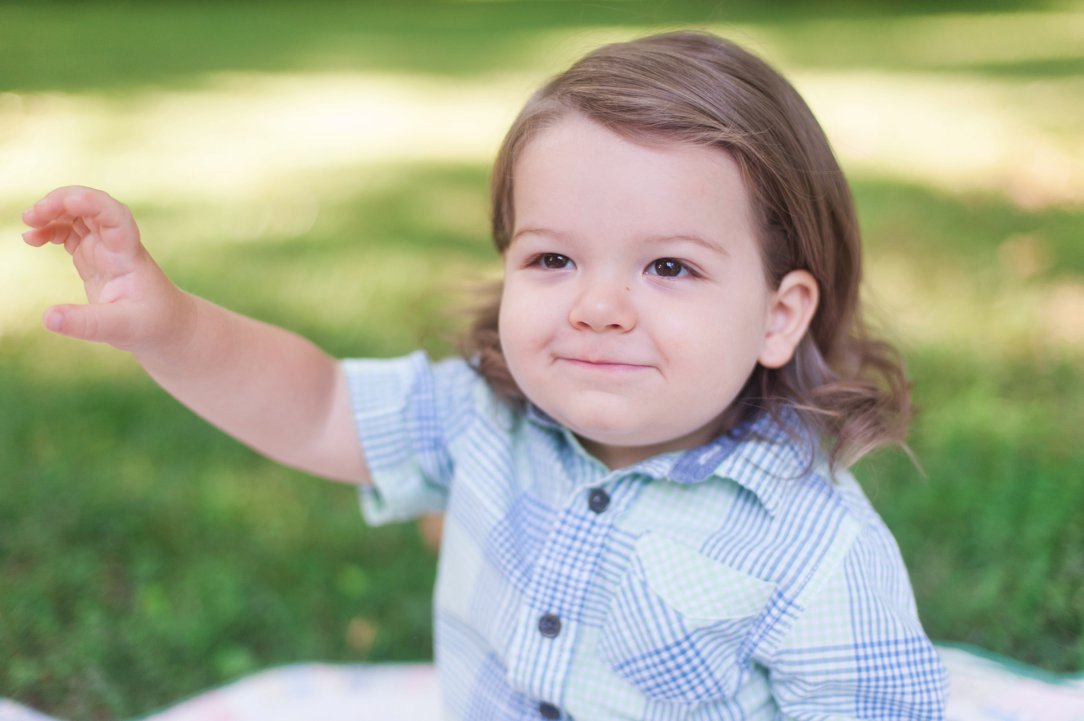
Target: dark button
x,y
598,500
549,625
548,710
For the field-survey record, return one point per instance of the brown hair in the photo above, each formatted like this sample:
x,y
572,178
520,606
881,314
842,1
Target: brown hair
x,y
692,87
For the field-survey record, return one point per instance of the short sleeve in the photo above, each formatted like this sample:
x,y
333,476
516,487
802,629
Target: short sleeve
x,y
409,413
858,650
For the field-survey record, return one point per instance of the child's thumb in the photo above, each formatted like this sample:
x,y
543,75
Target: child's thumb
x,y
104,323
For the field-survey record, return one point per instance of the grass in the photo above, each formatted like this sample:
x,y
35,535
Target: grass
x,y
144,557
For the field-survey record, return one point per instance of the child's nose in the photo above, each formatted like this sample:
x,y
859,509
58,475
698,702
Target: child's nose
x,y
603,306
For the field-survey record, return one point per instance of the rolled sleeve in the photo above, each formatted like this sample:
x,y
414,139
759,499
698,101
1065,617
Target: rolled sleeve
x,y
407,411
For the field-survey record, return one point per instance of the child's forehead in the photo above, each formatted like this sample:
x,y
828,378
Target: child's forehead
x,y
570,125
578,165
582,150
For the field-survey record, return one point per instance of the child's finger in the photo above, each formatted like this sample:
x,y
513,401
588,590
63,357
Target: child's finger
x,y
86,207
48,209
56,233
71,243
37,238
96,209
103,323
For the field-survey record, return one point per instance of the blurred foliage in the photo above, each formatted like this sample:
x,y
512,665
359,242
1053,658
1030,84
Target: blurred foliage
x,y
144,557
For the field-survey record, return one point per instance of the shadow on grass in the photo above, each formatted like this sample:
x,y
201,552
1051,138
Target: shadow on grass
x,y
146,557
1070,67
965,230
118,46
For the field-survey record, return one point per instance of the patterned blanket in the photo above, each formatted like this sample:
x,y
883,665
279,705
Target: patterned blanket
x,y
984,688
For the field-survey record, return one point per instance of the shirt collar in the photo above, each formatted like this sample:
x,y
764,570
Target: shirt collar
x,y
759,454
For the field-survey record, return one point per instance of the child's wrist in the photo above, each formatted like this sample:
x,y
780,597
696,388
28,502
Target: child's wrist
x,y
169,342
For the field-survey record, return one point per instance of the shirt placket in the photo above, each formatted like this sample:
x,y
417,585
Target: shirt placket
x,y
559,592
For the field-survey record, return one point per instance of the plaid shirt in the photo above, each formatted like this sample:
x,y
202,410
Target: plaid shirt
x,y
731,581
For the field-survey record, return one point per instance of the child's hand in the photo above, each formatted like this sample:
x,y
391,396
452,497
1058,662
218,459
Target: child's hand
x,y
132,304
265,386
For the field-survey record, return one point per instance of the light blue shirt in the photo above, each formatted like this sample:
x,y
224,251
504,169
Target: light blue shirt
x,y
731,581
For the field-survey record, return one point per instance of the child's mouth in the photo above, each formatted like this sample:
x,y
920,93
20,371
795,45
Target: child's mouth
x,y
606,365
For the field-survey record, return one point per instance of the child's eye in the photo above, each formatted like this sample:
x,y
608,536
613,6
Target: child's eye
x,y
552,261
668,268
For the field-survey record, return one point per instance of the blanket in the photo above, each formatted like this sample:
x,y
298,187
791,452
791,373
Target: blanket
x,y
984,687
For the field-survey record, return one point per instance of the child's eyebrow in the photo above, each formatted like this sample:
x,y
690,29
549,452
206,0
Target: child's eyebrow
x,y
707,243
555,234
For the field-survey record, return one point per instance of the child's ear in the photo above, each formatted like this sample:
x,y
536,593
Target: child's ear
x,y
792,309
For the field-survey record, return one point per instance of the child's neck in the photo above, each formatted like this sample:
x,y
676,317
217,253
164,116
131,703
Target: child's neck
x,y
616,457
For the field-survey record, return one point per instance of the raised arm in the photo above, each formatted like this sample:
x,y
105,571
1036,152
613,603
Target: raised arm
x,y
267,387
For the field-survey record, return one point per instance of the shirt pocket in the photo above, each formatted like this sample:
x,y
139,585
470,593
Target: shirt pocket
x,y
679,623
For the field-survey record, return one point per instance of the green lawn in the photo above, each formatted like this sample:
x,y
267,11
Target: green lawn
x,y
145,557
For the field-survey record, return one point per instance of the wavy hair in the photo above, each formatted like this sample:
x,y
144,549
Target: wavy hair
x,y
690,87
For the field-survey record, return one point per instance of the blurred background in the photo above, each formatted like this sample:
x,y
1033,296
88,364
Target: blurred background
x,y
323,165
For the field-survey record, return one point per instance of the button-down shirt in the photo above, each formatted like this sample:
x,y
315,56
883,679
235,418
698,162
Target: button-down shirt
x,y
736,580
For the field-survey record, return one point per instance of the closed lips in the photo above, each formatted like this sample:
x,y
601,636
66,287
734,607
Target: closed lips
x,y
604,363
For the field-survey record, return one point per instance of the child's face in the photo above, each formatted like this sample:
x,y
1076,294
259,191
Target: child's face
x,y
635,305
